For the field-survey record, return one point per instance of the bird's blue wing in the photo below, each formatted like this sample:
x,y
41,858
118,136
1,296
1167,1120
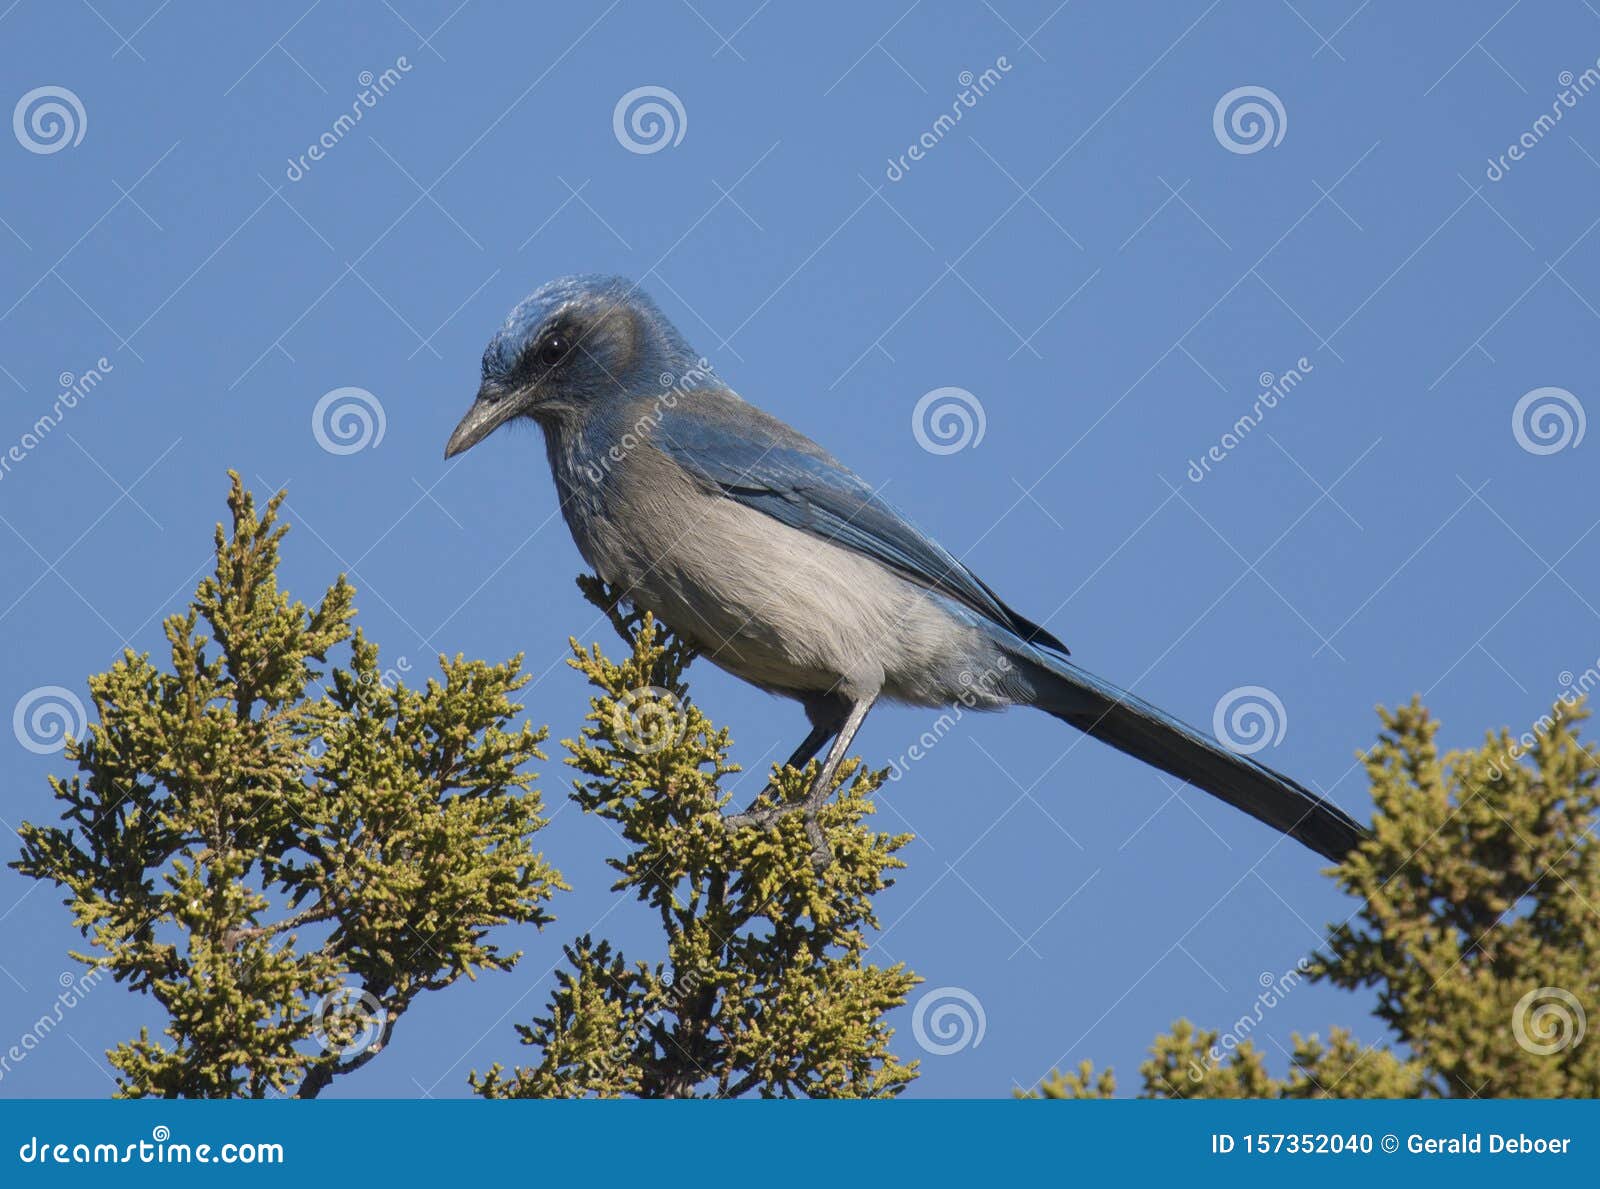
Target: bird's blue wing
x,y
756,460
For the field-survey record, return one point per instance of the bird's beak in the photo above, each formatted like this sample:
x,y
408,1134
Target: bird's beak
x,y
487,414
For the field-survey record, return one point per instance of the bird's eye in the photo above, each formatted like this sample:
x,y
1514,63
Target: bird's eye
x,y
554,350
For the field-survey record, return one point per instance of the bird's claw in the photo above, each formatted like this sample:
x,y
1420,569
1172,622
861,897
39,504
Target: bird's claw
x,y
761,819
766,817
763,813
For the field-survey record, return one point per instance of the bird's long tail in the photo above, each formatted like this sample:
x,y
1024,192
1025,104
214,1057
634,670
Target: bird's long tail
x,y
1132,725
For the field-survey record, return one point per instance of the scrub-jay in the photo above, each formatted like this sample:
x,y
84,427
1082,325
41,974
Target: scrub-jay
x,y
785,568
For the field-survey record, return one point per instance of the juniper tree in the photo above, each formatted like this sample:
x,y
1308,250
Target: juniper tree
x,y
281,850
1475,923
1190,1063
762,984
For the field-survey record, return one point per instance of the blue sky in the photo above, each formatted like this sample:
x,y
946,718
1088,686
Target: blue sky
x,y
1081,255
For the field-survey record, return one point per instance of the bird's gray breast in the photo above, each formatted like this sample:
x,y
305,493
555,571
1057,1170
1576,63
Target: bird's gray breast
x,y
777,606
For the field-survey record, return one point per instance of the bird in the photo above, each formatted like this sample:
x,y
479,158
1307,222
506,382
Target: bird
x,y
786,569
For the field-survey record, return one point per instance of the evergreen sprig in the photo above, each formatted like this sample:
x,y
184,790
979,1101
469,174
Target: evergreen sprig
x,y
762,986
281,850
1476,924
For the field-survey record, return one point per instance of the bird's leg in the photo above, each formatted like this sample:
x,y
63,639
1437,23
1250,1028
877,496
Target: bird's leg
x,y
820,852
835,717
811,744
764,815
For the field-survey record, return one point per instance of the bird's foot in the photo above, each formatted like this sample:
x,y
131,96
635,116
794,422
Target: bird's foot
x,y
763,818
763,813
767,816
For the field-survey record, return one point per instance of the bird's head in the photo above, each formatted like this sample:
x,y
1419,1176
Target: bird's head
x,y
572,345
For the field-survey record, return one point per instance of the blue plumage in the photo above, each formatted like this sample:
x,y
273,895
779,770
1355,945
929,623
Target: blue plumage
x,y
773,469
786,568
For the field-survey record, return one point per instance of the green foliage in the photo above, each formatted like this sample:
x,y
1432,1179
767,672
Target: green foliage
x,y
765,988
1476,924
1082,1082
223,809
1184,1064
1478,890
283,851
